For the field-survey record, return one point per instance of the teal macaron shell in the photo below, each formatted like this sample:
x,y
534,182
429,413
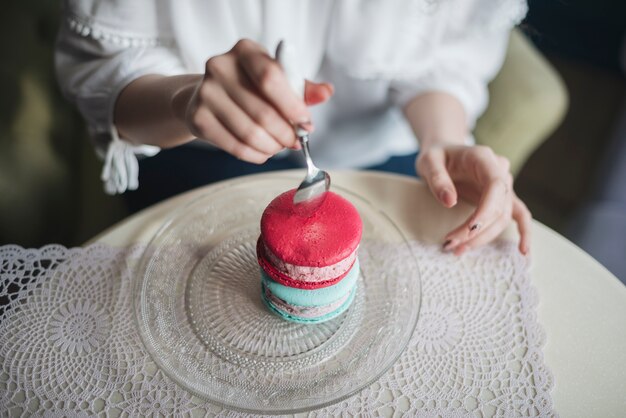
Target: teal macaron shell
x,y
331,315
316,297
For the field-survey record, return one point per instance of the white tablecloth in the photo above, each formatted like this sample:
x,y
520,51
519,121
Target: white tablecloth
x,y
582,308
69,344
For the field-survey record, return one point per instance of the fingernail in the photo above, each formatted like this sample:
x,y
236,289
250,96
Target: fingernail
x,y
307,126
475,227
449,244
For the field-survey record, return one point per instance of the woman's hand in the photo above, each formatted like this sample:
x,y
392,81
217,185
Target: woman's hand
x,y
479,176
245,105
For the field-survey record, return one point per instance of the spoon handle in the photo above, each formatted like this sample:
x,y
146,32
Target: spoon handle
x,y
310,166
286,57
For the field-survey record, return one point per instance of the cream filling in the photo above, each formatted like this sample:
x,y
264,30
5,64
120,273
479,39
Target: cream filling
x,y
310,273
304,311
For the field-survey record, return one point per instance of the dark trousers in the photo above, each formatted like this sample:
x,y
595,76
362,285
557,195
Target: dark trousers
x,y
176,170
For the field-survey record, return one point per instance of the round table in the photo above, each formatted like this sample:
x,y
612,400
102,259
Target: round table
x,y
582,305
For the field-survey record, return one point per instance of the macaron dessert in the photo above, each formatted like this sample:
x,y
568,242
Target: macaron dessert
x,y
309,265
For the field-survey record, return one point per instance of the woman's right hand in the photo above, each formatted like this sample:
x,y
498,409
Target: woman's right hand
x,y
245,105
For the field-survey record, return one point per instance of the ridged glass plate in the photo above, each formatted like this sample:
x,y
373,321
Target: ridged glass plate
x,y
200,314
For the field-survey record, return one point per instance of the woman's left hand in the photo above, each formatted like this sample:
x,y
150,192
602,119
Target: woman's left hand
x,y
479,176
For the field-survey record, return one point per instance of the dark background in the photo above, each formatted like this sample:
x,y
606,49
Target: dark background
x,y
576,181
583,40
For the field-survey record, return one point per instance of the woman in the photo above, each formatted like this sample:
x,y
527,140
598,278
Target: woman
x,y
196,78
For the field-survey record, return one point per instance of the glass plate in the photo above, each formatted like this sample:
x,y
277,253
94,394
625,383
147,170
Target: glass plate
x,y
200,314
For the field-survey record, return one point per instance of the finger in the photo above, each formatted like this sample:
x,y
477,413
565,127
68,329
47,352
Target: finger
x,y
432,168
206,126
504,163
240,89
233,118
480,162
495,198
523,218
316,93
265,116
484,237
491,207
270,80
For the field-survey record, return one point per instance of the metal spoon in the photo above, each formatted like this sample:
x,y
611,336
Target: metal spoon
x,y
316,183
312,191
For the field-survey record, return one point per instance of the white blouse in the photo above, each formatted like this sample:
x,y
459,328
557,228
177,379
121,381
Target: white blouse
x,y
378,54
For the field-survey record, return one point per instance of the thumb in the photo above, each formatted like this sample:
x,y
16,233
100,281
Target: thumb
x,y
431,165
316,93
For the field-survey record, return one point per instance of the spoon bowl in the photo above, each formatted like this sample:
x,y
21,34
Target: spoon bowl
x,y
312,190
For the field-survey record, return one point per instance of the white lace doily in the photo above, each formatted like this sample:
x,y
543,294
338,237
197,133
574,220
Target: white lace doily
x,y
69,345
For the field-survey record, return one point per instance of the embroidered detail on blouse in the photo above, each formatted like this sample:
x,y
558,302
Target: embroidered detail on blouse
x,y
121,168
92,30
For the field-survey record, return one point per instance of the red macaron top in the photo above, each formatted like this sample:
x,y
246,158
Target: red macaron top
x,y
326,237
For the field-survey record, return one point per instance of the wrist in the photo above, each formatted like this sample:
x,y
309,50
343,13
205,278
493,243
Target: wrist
x,y
181,97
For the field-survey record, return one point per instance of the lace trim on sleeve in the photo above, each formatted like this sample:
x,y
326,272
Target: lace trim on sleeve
x,y
91,29
121,168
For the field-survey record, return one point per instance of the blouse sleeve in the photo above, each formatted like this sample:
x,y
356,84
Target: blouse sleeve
x,y
102,46
470,54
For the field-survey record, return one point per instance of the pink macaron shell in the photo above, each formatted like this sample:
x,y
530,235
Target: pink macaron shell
x,y
331,234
